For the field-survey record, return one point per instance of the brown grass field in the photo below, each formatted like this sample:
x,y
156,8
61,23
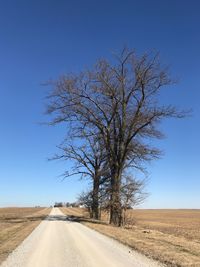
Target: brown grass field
x,y
16,224
169,236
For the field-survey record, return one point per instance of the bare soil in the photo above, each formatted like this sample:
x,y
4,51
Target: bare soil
x,y
170,236
61,242
16,224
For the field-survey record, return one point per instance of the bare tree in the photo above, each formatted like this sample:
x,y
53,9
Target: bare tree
x,y
119,102
131,194
89,161
85,198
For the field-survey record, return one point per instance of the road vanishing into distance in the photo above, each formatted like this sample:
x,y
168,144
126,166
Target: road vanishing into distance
x,y
59,242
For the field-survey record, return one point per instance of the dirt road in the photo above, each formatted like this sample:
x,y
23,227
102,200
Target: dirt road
x,y
58,242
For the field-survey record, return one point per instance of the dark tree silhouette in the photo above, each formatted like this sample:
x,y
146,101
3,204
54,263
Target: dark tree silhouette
x,y
119,103
89,161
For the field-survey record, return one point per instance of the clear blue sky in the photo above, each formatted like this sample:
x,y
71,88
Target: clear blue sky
x,y
39,40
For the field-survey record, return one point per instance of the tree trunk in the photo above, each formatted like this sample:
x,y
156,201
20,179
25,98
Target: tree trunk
x,y
95,199
115,204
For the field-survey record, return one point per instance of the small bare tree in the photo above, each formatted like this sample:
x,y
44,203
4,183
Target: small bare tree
x,y
89,161
85,198
132,194
120,103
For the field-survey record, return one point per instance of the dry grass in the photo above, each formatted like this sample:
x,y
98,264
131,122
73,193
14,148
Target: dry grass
x,y
170,236
16,224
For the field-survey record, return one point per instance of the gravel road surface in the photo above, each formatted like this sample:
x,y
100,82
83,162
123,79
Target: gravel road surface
x,y
58,242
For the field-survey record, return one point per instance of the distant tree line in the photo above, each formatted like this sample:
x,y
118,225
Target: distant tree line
x,y
111,113
67,204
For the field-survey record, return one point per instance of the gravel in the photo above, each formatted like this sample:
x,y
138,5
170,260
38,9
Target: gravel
x,y
59,242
